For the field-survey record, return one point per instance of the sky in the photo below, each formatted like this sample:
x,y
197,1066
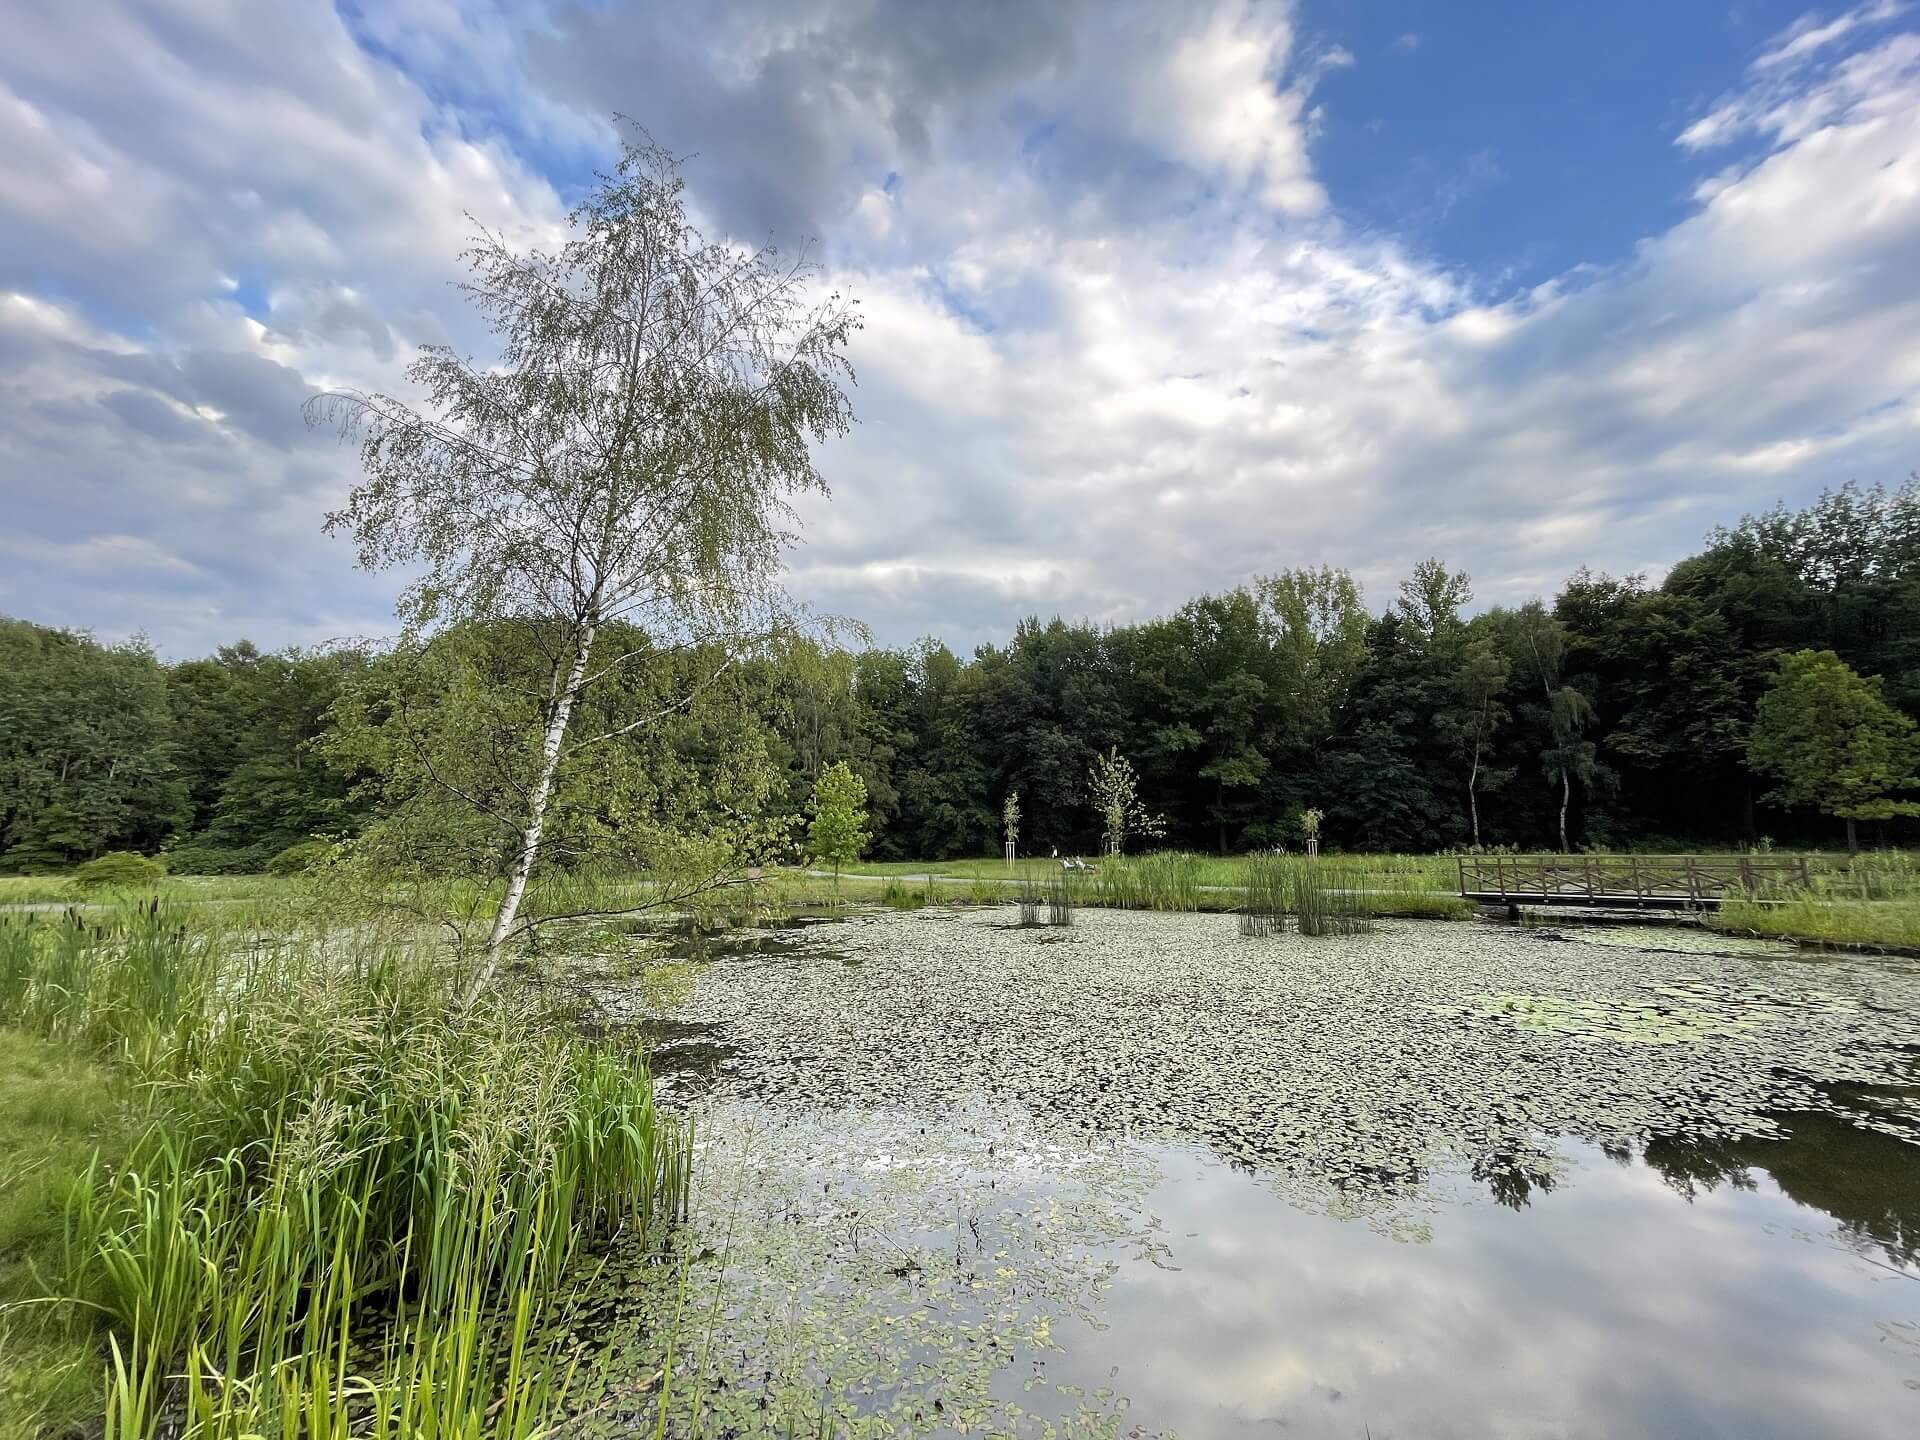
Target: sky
x,y
1158,297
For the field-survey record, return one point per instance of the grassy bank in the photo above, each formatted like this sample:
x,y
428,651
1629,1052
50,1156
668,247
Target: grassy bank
x,y
342,1203
1431,871
65,890
1843,924
1871,903
1385,885
58,1112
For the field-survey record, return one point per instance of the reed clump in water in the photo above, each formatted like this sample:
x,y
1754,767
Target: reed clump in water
x,y
1322,904
1059,901
352,1206
1266,905
900,896
1050,903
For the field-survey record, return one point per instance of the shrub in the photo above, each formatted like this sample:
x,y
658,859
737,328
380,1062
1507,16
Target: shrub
x,y
903,897
299,858
121,869
198,857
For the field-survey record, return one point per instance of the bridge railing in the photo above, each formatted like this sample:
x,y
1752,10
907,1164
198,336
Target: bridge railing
x,y
1691,878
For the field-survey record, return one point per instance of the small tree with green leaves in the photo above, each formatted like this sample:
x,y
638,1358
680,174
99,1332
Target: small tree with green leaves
x,y
1310,829
1010,822
1824,733
837,833
1116,796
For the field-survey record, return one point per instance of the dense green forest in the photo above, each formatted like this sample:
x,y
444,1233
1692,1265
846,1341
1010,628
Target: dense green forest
x,y
1622,712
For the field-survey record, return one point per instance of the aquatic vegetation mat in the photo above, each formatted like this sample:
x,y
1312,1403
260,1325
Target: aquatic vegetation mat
x,y
853,1274
1337,1066
932,1138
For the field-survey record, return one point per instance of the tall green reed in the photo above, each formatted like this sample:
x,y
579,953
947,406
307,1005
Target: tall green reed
x,y
1266,891
354,1204
1165,880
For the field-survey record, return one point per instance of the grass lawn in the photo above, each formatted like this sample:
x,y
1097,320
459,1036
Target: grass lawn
x,y
1436,871
61,890
56,1110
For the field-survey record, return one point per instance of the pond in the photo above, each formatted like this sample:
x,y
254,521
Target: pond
x,y
1141,1176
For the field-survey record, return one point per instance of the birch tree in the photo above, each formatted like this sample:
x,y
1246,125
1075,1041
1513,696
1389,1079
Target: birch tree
x,y
1569,756
628,459
1480,683
1116,799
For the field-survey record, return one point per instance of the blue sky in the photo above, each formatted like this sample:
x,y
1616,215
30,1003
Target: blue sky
x,y
1158,296
1520,140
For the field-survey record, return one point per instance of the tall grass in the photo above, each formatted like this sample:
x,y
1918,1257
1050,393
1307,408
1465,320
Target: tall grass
x,y
1059,901
1165,880
58,1111
1873,903
1328,895
1321,905
130,983
1266,906
352,1208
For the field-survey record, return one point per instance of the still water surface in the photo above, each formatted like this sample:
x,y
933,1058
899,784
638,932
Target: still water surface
x,y
1439,1181
1625,1301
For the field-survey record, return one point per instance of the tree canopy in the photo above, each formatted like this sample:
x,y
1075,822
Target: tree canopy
x,y
1417,728
837,833
1833,743
627,459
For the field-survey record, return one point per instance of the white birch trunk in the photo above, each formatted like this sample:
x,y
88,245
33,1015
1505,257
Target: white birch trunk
x,y
537,800
1473,795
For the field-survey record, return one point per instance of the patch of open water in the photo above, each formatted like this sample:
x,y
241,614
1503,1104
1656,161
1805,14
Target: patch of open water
x,y
1148,1177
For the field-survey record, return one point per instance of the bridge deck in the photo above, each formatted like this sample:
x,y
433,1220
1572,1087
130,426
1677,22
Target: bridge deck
x,y
1626,881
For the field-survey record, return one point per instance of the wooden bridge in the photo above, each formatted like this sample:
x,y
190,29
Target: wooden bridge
x,y
1663,882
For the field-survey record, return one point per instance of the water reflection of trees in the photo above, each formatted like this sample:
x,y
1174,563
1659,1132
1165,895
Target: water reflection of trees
x,y
1866,1180
1512,1176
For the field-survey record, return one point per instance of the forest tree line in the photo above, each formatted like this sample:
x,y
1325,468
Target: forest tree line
x,y
1620,714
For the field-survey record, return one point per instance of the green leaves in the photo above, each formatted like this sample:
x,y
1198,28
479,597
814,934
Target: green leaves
x,y
1830,741
837,833
1116,800
88,753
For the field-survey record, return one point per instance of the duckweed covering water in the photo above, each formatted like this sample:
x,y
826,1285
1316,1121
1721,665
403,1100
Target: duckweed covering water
x,y
922,1164
895,1282
1337,1066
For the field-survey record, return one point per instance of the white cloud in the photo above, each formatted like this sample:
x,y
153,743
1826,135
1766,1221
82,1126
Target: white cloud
x,y
1120,347
1784,104
1809,34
